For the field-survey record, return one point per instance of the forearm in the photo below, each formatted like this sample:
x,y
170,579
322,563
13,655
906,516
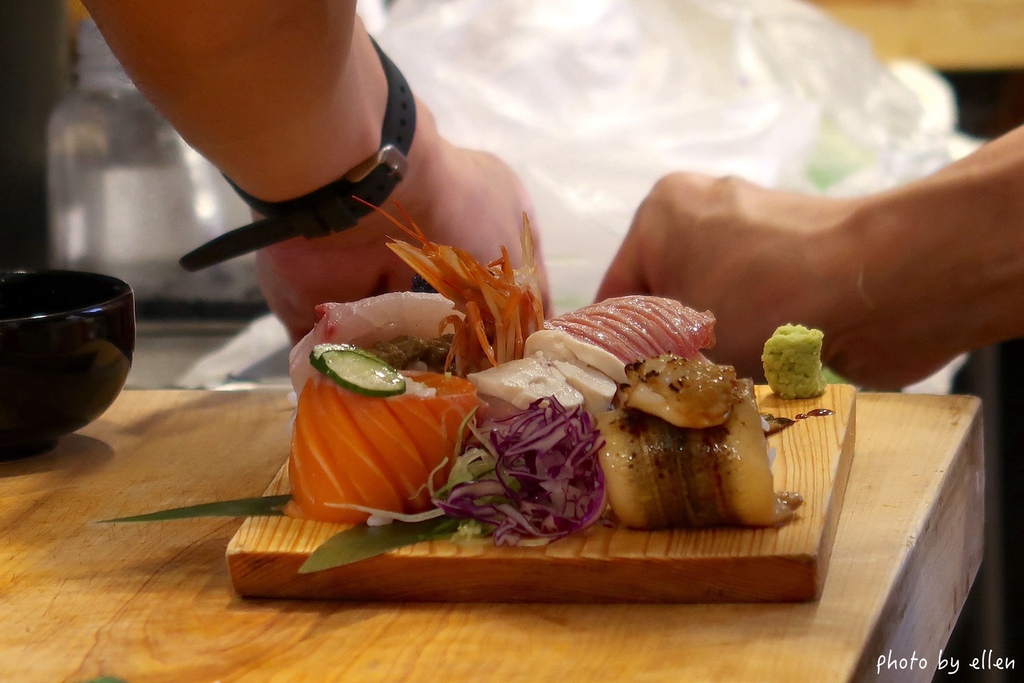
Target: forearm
x,y
283,97
901,282
944,256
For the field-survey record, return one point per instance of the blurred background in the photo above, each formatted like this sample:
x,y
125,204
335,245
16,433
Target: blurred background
x,y
973,46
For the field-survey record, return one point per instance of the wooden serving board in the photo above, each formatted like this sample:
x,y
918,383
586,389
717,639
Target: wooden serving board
x,y
785,564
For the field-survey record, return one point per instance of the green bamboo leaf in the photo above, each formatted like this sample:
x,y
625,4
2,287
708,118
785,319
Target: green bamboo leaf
x,y
833,377
362,542
266,506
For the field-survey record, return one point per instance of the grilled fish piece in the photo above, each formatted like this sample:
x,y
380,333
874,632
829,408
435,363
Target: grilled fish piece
x,y
685,392
659,475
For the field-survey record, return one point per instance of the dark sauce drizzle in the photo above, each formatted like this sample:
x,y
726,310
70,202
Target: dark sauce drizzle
x,y
777,424
817,412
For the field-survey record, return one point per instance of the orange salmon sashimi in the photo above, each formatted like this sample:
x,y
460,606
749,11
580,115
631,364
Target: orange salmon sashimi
x,y
349,449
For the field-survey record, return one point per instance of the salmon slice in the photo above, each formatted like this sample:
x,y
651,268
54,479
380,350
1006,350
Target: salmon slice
x,y
374,452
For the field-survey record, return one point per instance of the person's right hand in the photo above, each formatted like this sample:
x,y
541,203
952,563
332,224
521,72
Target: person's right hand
x,y
286,97
463,198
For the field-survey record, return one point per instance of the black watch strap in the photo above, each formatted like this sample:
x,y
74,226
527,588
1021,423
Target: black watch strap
x,y
334,207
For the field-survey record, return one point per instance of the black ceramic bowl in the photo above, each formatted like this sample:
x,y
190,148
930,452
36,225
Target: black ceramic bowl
x,y
66,345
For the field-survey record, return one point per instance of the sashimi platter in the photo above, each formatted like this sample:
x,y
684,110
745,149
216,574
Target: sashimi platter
x,y
455,444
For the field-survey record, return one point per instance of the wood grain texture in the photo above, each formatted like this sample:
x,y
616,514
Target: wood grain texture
x,y
946,34
153,602
605,564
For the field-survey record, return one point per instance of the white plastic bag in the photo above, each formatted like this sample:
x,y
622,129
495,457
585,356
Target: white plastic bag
x,y
591,101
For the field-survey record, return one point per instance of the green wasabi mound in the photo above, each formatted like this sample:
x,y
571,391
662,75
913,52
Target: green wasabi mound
x,y
792,362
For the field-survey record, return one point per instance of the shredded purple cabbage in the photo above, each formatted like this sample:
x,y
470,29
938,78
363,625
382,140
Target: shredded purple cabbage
x,y
548,482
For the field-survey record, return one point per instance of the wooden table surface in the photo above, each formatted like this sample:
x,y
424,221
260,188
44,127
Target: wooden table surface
x,y
949,35
152,602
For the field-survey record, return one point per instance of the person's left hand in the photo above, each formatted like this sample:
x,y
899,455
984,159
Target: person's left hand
x,y
756,258
893,280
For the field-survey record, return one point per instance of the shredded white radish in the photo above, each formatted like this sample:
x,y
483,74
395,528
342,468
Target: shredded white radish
x,y
382,517
429,486
418,389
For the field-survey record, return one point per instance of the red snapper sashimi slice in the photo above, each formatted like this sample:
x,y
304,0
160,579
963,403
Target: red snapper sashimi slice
x,y
368,321
613,333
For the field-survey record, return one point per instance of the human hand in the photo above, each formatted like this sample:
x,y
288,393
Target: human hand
x,y
458,197
286,97
760,258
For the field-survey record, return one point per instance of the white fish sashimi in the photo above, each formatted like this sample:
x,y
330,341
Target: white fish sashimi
x,y
562,346
518,383
523,381
368,321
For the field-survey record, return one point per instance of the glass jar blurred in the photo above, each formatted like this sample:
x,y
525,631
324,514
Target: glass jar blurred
x,y
128,196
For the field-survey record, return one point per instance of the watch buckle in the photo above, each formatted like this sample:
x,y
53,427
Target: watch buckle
x,y
389,156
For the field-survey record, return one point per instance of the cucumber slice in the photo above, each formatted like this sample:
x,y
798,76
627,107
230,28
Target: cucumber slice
x,y
357,370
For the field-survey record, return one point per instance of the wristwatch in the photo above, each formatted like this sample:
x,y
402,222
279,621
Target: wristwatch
x,y
334,207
